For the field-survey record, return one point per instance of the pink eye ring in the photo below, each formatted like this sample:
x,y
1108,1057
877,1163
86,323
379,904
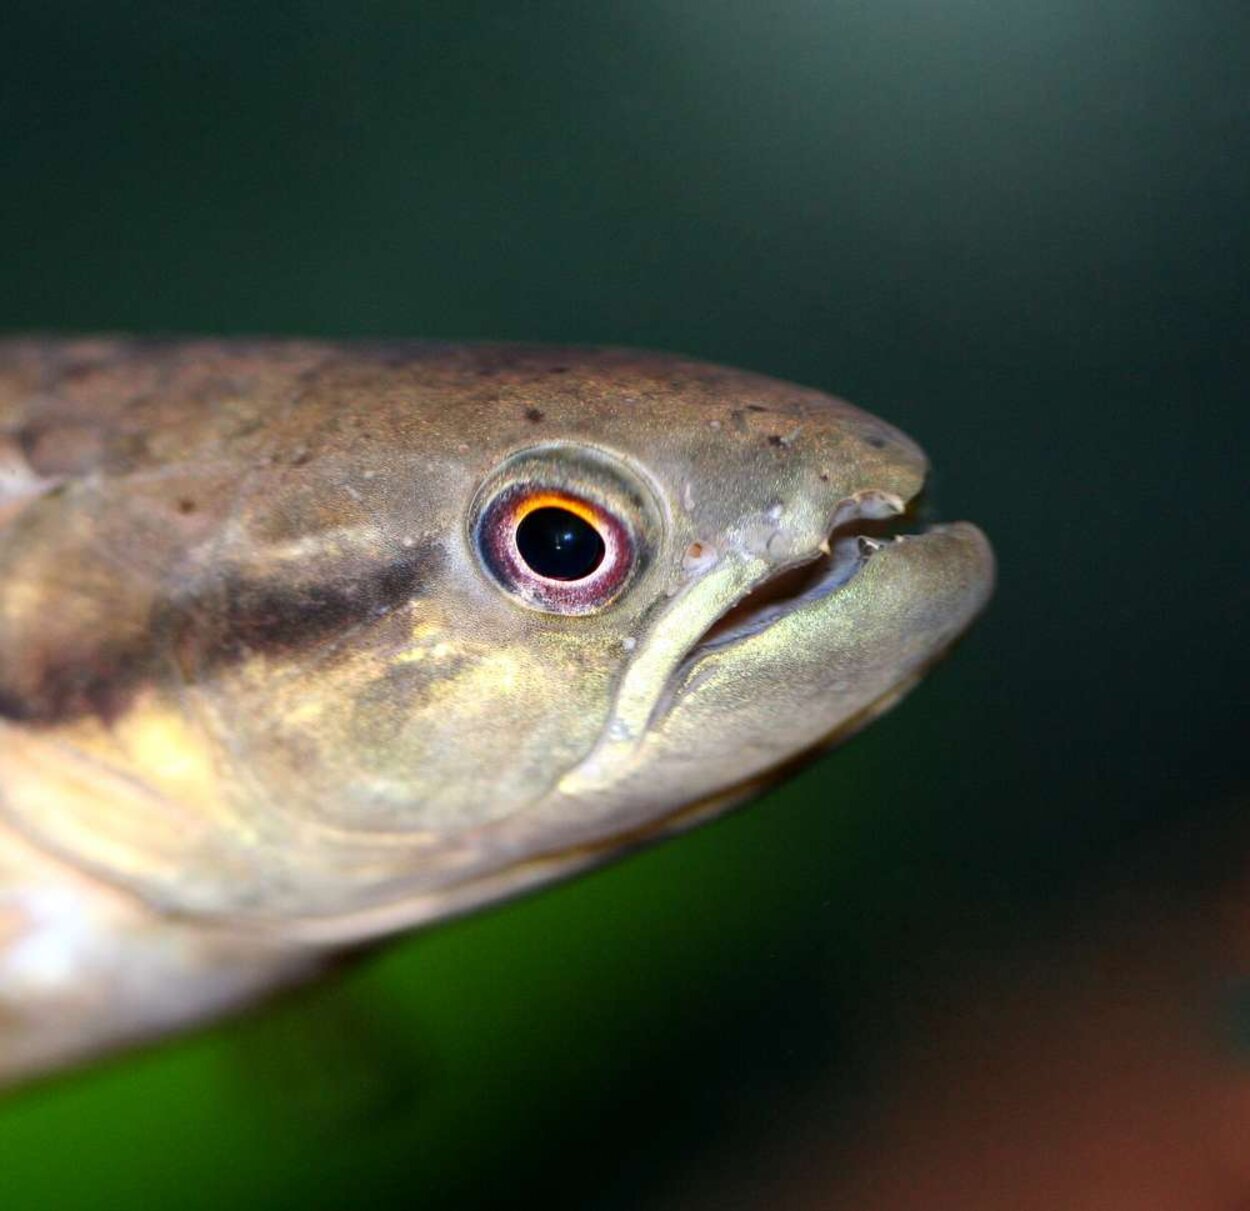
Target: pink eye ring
x,y
554,550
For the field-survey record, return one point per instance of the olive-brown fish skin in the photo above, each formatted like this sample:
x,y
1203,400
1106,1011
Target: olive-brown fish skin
x,y
260,695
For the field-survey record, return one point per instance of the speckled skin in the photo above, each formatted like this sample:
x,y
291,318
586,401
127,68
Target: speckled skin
x,y
260,697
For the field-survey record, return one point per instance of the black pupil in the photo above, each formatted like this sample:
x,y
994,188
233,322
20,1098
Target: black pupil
x,y
559,544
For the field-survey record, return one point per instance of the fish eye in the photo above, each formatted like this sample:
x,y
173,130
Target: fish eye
x,y
555,550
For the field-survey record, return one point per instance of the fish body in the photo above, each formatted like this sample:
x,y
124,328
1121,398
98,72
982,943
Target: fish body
x,y
304,644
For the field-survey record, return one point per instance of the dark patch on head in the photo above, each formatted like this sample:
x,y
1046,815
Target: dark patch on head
x,y
756,408
824,477
559,369
273,615
877,441
775,439
13,707
219,624
186,505
72,685
534,415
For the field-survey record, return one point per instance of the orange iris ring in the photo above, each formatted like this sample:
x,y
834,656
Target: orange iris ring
x,y
557,500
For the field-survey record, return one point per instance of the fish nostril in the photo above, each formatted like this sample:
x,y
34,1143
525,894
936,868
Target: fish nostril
x,y
698,557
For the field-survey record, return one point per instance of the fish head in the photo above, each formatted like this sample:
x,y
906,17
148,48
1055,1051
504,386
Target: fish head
x,y
446,623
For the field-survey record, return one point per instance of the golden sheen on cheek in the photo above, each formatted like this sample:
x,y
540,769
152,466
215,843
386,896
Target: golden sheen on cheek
x,y
555,551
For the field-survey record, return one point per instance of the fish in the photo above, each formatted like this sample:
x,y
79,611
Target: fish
x,y
307,644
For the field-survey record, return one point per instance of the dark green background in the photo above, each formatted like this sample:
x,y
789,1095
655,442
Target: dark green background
x,y
1017,229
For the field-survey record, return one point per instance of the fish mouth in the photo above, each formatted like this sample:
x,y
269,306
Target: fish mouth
x,y
864,524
